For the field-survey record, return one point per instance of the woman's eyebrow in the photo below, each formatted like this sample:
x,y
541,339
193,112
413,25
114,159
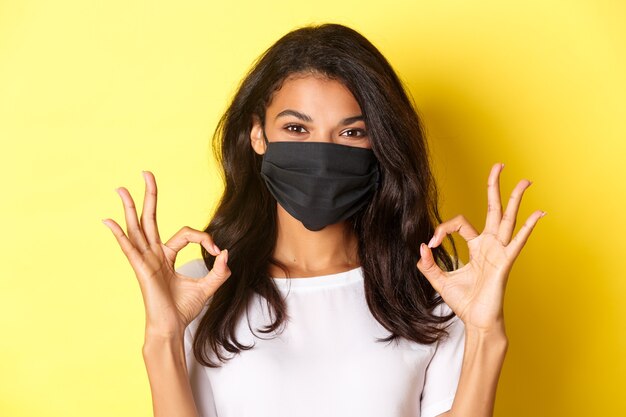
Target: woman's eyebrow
x,y
349,120
295,113
307,118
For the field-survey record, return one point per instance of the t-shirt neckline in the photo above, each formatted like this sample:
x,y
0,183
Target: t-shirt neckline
x,y
329,280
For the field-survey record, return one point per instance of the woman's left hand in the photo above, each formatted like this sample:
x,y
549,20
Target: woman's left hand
x,y
475,292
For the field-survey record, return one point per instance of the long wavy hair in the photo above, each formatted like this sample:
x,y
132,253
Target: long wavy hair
x,y
401,214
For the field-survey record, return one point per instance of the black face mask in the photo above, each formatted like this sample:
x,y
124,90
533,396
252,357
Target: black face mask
x,y
319,183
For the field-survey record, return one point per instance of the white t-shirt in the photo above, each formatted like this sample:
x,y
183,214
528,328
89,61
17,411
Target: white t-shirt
x,y
326,362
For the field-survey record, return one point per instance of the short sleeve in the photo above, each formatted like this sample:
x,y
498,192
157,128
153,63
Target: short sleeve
x,y
198,378
444,370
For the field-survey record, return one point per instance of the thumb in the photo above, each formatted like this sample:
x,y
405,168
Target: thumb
x,y
429,267
219,273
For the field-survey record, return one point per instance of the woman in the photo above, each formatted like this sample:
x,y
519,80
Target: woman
x,y
316,257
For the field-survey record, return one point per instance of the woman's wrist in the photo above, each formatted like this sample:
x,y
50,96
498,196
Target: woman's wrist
x,y
159,351
158,338
493,340
166,364
496,331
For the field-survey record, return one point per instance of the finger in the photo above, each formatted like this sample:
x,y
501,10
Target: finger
x,y
218,274
188,235
509,218
135,234
457,224
148,213
521,237
429,268
131,252
494,205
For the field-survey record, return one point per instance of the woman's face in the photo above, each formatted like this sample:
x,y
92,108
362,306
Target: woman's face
x,y
314,109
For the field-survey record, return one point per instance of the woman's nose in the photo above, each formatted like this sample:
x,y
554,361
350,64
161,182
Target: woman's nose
x,y
322,135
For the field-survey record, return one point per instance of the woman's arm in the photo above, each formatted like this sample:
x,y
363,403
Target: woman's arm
x,y
482,361
172,299
475,292
169,382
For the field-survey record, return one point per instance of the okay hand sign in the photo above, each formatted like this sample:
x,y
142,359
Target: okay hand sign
x,y
171,300
475,292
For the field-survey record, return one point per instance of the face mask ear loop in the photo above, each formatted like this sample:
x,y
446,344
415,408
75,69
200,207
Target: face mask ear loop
x,y
267,142
265,137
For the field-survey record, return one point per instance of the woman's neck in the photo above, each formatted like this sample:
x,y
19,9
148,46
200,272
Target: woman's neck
x,y
306,253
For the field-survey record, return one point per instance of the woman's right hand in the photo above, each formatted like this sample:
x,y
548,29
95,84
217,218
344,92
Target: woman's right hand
x,y
171,300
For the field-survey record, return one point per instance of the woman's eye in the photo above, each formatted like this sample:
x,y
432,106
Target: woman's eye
x,y
294,128
356,132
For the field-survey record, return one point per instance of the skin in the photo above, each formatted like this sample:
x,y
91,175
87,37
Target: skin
x,y
474,292
327,103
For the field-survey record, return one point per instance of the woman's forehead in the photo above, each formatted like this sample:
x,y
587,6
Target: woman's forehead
x,y
313,94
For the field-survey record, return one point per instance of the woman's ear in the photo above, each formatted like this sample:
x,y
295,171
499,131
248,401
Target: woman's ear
x,y
256,135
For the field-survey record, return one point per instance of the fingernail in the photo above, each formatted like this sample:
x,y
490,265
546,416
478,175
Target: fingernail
x,y
422,249
225,255
543,213
502,165
104,222
216,248
432,242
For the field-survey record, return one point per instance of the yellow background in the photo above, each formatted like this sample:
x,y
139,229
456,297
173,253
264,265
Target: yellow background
x,y
91,93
